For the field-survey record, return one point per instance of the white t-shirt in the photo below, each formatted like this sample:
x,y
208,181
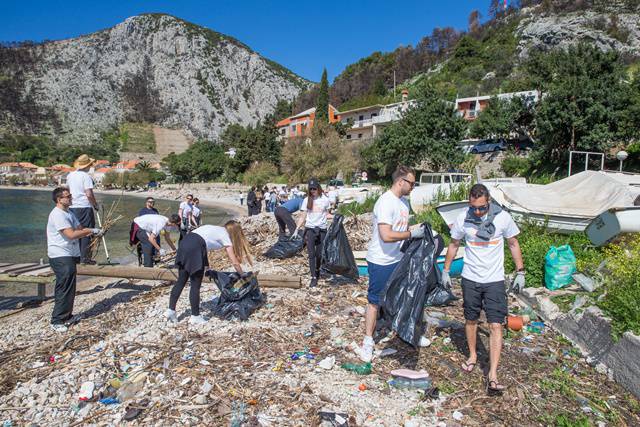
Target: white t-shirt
x,y
78,182
186,209
484,259
152,223
57,243
394,211
316,217
195,211
215,237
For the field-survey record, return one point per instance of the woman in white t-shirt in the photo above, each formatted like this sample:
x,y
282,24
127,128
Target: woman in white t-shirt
x,y
196,213
315,212
192,260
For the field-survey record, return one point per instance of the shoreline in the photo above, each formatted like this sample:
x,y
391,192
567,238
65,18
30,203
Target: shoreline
x,y
225,204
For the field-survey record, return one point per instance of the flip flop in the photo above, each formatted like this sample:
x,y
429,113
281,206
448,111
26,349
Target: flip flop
x,y
494,388
468,367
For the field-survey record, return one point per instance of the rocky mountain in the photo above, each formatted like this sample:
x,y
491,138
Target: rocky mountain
x,y
151,68
607,29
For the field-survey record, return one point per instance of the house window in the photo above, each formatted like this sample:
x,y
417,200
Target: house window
x,y
293,129
359,135
361,118
374,115
349,136
283,131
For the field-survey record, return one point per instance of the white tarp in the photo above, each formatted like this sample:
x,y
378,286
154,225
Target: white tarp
x,y
585,194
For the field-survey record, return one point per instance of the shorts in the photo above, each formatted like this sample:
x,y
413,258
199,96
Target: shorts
x,y
490,297
378,278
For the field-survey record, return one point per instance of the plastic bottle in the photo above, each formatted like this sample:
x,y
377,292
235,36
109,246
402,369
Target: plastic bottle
x,y
401,382
358,368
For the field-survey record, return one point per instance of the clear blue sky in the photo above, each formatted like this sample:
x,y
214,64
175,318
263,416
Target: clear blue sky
x,y
304,36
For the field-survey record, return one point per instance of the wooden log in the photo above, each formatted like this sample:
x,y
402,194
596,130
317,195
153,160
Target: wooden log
x,y
143,273
4,278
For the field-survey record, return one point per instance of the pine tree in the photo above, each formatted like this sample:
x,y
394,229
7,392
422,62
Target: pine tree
x,y
322,105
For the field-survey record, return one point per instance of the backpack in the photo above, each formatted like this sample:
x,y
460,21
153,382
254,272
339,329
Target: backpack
x,y
133,234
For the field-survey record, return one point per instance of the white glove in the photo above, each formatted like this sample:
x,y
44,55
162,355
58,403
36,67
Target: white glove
x,y
162,252
97,231
518,283
417,232
446,279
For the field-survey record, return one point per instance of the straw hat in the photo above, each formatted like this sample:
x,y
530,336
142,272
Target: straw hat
x,y
83,161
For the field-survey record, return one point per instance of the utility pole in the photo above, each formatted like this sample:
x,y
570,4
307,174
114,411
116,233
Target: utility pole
x,y
394,85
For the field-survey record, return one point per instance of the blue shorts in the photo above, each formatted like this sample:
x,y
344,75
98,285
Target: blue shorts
x,y
378,278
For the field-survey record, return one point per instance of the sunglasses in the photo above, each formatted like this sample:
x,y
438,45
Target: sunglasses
x,y
479,208
411,183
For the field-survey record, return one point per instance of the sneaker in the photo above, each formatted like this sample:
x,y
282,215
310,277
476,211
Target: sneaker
x,y
171,315
424,342
88,262
313,283
73,320
197,320
59,327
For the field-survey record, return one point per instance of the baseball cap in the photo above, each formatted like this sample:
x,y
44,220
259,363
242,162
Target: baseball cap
x,y
313,183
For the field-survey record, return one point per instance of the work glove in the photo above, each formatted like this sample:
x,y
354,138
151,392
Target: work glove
x,y
417,232
446,279
162,252
98,232
295,235
517,285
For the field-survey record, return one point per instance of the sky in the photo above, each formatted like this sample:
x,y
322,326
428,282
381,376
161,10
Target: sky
x,y
302,36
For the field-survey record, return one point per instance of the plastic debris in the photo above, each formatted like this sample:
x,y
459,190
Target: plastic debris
x,y
362,387
536,327
86,390
336,419
458,416
358,368
109,401
410,374
206,387
407,383
327,363
386,352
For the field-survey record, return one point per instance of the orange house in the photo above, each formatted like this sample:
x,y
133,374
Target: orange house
x,y
302,123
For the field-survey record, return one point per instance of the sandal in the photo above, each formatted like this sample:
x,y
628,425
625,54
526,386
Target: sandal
x,y
468,367
494,388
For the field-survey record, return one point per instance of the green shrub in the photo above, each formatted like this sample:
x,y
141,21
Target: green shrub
x,y
513,165
358,208
260,173
621,301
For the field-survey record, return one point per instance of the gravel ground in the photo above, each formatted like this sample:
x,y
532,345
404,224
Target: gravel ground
x,y
242,373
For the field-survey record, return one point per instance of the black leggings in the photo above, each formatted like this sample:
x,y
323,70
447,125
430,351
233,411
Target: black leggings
x,y
314,238
194,292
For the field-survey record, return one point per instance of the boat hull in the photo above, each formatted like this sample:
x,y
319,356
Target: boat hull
x,y
610,224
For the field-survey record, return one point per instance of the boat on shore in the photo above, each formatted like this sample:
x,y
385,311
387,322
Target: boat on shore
x,y
565,206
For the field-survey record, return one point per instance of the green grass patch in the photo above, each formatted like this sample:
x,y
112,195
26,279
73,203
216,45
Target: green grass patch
x,y
564,302
560,381
137,138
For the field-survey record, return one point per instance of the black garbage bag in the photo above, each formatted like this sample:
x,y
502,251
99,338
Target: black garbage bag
x,y
337,256
239,294
286,247
406,291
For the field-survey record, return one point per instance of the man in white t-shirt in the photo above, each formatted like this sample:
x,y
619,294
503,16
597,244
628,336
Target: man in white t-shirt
x,y
84,202
390,229
184,212
484,226
63,250
149,227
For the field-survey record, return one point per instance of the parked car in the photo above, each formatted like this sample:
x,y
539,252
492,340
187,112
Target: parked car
x,y
336,183
489,145
522,144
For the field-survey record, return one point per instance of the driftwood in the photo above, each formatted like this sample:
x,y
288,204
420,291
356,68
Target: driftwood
x,y
127,272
